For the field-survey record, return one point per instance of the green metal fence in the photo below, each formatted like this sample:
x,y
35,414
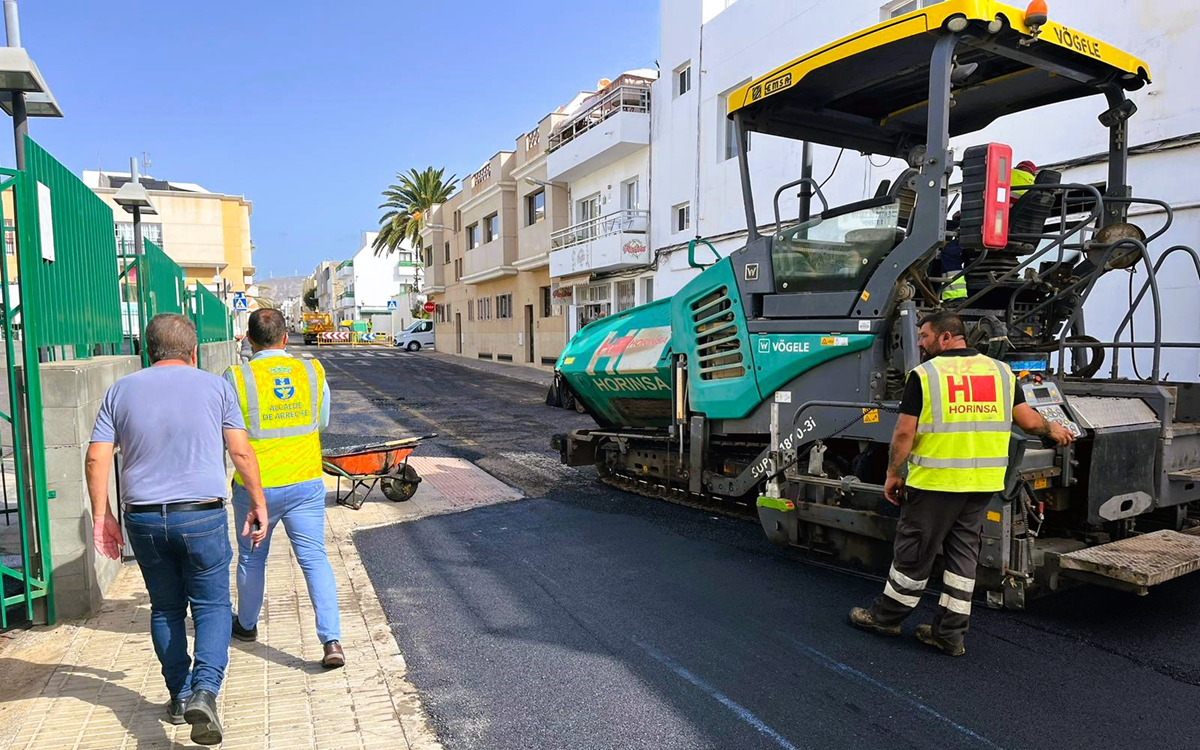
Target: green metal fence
x,y
70,262
166,291
213,321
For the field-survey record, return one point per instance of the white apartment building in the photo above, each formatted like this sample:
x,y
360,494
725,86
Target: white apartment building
x,y
709,48
368,281
601,263
324,278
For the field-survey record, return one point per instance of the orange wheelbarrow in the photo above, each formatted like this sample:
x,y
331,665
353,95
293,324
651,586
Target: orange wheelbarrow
x,y
365,466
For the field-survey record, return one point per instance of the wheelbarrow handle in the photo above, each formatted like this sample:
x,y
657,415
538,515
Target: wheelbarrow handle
x,y
405,441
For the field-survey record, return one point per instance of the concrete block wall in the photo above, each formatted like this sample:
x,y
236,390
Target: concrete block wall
x,y
217,356
71,396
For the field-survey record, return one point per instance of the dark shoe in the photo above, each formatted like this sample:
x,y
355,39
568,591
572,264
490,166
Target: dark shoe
x,y
334,656
242,634
925,634
201,713
863,620
175,710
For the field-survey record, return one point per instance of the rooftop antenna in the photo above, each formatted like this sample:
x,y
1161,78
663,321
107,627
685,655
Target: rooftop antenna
x,y
146,163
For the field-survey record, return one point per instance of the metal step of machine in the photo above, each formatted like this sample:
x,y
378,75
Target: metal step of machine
x,y
1134,564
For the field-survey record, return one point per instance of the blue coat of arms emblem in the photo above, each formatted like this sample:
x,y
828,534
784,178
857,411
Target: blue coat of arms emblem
x,y
284,388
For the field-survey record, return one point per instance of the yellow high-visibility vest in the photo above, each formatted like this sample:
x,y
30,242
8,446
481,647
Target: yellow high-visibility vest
x,y
280,399
964,426
1019,179
956,289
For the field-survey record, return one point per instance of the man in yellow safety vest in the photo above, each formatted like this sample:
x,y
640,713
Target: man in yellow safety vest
x,y
285,402
1023,175
956,416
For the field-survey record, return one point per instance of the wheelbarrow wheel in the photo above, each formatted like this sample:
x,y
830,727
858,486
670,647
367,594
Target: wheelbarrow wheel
x,y
401,487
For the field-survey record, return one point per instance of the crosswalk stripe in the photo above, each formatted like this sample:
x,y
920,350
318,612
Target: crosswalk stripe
x,y
357,354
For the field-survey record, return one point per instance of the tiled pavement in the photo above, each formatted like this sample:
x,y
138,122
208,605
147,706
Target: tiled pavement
x,y
105,692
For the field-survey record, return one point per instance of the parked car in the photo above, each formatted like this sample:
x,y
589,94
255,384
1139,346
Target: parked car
x,y
417,336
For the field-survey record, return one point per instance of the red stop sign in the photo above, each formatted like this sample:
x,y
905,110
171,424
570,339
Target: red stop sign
x,y
430,307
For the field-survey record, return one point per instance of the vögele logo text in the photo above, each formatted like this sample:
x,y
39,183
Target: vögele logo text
x,y
766,345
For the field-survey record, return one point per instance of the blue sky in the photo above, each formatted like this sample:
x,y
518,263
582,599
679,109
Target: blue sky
x,y
310,108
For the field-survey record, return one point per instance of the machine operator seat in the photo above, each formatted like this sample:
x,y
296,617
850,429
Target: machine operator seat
x,y
1030,213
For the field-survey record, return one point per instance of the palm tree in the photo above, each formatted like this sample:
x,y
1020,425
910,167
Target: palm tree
x,y
406,204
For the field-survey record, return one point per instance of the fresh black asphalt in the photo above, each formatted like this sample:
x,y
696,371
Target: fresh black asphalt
x,y
584,617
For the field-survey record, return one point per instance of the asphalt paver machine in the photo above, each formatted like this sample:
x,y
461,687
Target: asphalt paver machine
x,y
769,384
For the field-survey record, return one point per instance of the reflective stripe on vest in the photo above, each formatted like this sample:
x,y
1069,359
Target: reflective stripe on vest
x,y
270,390
956,289
964,426
254,415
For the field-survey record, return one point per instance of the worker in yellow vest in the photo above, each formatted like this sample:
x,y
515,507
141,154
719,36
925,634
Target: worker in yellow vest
x,y
285,403
1023,175
952,434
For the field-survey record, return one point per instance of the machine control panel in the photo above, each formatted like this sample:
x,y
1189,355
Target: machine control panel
x,y
1044,396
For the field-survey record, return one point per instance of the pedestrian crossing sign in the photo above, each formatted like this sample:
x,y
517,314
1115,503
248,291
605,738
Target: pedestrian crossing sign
x,y
392,304
240,303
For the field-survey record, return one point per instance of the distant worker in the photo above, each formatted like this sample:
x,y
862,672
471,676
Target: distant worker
x,y
951,259
244,350
952,435
1023,175
285,402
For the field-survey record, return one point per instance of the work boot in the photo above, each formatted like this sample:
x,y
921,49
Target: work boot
x,y
201,713
244,634
925,634
862,619
334,656
175,710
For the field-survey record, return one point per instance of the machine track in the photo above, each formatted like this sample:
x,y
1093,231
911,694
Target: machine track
x,y
709,503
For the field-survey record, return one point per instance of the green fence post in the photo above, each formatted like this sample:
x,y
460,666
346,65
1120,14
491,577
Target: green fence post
x,y
144,311
14,402
199,313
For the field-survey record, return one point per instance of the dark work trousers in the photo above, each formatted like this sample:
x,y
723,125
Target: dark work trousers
x,y
933,523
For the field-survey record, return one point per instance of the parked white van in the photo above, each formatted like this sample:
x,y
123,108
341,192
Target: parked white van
x,y
417,336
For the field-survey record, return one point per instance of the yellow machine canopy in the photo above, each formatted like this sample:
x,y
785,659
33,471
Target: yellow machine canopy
x,y
869,91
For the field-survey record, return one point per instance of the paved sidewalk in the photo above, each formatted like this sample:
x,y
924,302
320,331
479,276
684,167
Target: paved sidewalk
x,y
102,689
518,372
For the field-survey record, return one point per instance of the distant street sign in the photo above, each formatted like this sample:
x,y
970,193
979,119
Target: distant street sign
x,y
240,303
392,304
430,307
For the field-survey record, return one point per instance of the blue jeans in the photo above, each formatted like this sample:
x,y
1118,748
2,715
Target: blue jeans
x,y
184,558
301,508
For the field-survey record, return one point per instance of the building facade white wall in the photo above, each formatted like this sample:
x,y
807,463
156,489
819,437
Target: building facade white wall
x,y
325,279
727,43
373,280
622,186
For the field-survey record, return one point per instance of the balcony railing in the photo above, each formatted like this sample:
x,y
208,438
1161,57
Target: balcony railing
x,y
482,176
625,98
625,220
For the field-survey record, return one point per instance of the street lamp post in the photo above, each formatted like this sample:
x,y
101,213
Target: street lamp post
x,y
133,198
29,96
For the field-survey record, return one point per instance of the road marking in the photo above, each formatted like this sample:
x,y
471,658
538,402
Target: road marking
x,y
738,709
845,669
